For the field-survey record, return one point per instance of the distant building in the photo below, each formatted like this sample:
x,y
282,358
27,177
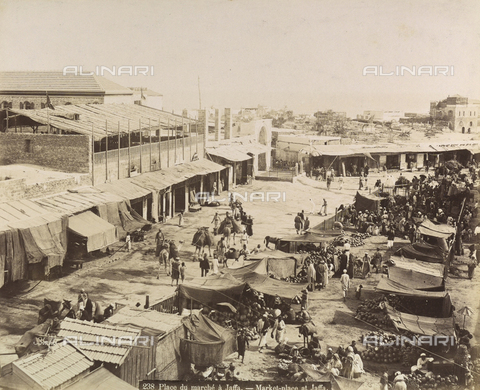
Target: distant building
x,y
374,115
461,115
147,97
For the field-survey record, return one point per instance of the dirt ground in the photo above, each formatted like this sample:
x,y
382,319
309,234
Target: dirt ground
x,y
127,278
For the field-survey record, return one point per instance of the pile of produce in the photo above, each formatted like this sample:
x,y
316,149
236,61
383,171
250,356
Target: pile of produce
x,y
370,311
383,352
430,381
356,239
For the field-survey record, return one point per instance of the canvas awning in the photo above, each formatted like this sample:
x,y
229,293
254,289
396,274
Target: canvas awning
x,y
211,342
99,233
367,202
414,279
433,269
429,228
160,180
125,188
423,252
393,287
228,154
421,325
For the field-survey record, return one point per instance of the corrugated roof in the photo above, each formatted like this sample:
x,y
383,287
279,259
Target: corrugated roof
x,y
237,151
167,177
101,379
150,319
73,203
119,117
146,91
124,188
57,82
88,332
62,363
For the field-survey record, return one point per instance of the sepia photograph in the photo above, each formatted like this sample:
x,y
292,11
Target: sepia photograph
x,y
239,195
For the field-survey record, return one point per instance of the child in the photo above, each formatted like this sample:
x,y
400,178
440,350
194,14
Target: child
x,y
182,269
180,219
358,292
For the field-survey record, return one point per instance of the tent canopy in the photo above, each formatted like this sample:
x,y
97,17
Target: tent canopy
x,y
367,202
415,280
421,325
429,228
211,342
422,267
422,251
99,233
439,302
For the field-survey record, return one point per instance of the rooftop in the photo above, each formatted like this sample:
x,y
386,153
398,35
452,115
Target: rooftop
x,y
92,333
57,82
61,364
93,118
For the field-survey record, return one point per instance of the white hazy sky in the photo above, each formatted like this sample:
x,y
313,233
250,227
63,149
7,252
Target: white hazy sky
x,y
305,54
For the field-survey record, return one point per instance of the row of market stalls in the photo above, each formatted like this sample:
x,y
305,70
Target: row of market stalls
x,y
348,159
36,235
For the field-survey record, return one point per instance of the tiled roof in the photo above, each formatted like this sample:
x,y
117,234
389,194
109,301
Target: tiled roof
x,y
146,91
88,332
59,365
53,82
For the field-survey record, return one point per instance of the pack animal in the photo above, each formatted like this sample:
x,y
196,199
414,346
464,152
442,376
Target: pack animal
x,y
202,238
271,240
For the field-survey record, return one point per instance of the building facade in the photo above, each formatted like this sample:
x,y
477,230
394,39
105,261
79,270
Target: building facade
x,y
460,114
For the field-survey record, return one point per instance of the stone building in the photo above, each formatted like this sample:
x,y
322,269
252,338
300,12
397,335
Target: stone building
x,y
460,113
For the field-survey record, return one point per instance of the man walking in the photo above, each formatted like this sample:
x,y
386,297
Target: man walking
x,y
163,260
345,282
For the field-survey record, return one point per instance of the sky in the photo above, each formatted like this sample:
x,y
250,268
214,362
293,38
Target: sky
x,y
308,55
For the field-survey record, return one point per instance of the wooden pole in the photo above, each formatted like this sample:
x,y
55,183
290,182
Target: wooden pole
x,y
118,176
175,130
93,158
129,157
183,140
141,136
168,143
150,131
106,150
159,144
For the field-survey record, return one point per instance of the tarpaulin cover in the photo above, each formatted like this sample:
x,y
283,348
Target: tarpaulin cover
x,y
429,228
281,268
266,285
421,325
415,280
422,251
269,254
100,379
340,383
43,237
259,266
99,233
213,289
131,220
211,342
110,213
433,269
392,287
367,202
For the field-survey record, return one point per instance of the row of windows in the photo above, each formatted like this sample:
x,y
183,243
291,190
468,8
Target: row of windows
x,y
25,105
471,112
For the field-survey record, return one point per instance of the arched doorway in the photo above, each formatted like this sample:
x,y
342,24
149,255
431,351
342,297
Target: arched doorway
x,y
262,136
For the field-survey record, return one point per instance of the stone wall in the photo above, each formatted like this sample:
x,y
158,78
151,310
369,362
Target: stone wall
x,y
66,153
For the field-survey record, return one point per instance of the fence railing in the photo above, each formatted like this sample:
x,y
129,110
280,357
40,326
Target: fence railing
x,y
168,304
284,173
328,223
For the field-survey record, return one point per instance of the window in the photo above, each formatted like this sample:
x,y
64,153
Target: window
x,y
28,146
42,105
21,106
471,123
463,113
